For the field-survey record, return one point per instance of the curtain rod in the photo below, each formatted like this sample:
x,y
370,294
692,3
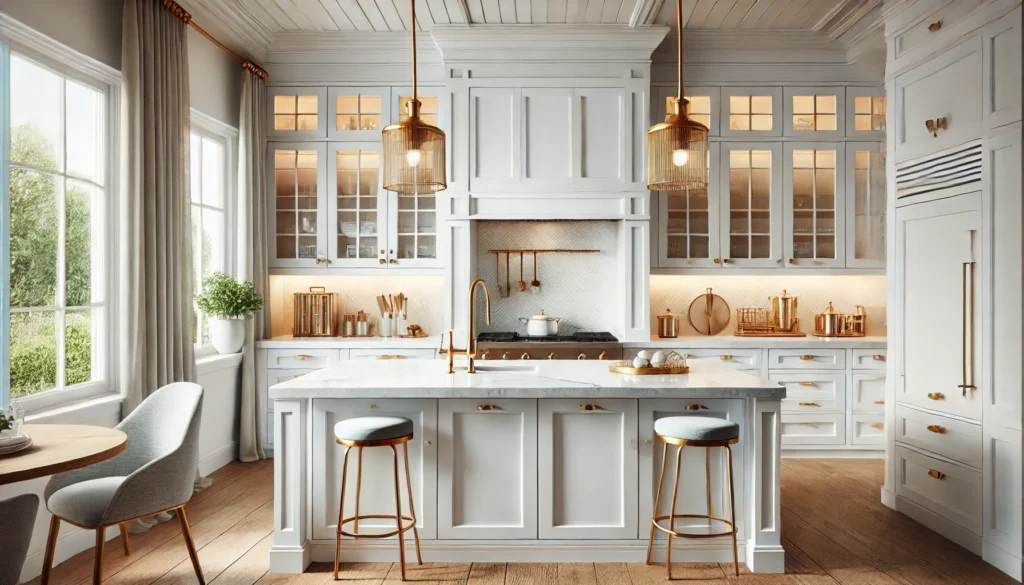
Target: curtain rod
x,y
184,15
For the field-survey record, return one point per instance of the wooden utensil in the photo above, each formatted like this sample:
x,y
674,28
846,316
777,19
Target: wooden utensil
x,y
535,284
522,283
508,284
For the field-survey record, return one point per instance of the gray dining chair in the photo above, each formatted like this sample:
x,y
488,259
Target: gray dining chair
x,y
154,474
17,517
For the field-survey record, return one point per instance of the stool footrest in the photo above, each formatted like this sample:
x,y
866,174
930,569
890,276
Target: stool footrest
x,y
673,532
408,523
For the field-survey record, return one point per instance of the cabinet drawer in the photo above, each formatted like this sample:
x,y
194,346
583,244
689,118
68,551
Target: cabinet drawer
x,y
867,393
814,429
949,490
944,436
867,429
807,359
392,353
868,359
743,359
812,392
933,26
307,359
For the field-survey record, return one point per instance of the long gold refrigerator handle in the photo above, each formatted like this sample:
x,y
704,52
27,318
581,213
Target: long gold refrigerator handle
x,y
967,340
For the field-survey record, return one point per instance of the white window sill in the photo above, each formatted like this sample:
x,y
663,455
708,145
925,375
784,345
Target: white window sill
x,y
208,364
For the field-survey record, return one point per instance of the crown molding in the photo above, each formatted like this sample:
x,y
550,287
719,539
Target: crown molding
x,y
752,46
28,39
547,42
232,25
349,47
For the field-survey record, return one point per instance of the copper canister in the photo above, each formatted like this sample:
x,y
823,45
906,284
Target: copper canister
x,y
667,325
831,322
315,313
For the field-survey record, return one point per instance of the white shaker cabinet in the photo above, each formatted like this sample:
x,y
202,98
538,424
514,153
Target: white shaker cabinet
x,y
814,214
587,464
298,214
487,469
751,204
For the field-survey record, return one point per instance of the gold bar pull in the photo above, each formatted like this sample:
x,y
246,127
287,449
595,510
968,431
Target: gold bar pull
x,y
936,396
877,426
302,357
552,355
967,347
590,408
582,356
603,355
879,402
488,407
374,406
812,425
807,383
696,407
391,357
936,474
807,357
726,358
938,429
486,355
878,358
525,356
809,404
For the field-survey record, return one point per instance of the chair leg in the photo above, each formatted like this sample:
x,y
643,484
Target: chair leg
x,y
732,514
398,516
124,538
190,544
657,503
412,508
97,567
51,546
359,486
341,511
672,518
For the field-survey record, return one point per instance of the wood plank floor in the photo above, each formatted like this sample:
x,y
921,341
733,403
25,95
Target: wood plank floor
x,y
835,533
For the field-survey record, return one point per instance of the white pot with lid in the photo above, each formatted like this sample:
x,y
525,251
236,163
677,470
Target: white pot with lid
x,y
541,325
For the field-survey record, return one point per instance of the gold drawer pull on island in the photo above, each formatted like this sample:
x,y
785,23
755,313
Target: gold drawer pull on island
x,y
552,355
302,357
807,383
488,407
936,474
809,404
696,407
726,358
807,358
937,429
878,357
879,402
936,396
878,426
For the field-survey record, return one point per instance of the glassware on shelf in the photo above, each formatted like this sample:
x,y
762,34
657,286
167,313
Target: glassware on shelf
x,y
16,412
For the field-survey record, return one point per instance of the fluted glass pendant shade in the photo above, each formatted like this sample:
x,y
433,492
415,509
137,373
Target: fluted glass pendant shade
x,y
414,155
677,152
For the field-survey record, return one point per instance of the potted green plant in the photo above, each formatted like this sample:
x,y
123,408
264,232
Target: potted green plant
x,y
228,303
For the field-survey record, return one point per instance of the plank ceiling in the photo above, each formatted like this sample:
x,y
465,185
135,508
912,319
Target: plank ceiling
x,y
394,15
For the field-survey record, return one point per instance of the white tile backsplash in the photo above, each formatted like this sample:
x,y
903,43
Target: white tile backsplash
x,y
676,292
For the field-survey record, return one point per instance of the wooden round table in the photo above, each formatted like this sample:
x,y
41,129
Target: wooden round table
x,y
58,448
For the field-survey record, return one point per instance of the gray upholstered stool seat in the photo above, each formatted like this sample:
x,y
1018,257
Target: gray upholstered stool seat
x,y
85,502
373,428
696,428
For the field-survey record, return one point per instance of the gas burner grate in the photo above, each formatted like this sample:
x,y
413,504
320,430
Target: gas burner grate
x,y
579,337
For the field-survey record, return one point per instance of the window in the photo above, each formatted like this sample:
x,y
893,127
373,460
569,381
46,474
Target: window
x,y
750,112
359,112
295,112
209,157
814,203
750,179
59,201
869,113
814,112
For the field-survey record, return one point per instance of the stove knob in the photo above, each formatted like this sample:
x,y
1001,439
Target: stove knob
x,y
552,356
525,356
603,356
582,356
486,355
504,356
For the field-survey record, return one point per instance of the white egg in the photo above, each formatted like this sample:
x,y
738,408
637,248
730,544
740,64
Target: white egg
x,y
639,362
658,359
644,354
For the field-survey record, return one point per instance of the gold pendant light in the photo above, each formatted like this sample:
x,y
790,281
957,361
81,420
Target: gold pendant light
x,y
414,150
677,149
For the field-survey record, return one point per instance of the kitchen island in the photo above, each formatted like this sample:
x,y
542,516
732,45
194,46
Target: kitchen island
x,y
533,461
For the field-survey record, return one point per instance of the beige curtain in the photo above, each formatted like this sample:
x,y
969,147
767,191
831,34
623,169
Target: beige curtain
x,y
155,267
252,229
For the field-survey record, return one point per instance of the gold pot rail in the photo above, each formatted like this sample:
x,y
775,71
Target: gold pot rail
x,y
967,347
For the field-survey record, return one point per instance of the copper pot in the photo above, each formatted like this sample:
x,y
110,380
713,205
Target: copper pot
x,y
831,322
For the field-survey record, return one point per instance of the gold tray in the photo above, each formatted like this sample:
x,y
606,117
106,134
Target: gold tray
x,y
769,334
816,334
651,371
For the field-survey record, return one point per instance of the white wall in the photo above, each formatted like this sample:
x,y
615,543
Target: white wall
x,y
215,80
92,27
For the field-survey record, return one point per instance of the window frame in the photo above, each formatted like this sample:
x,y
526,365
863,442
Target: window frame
x,y
321,107
727,92
227,136
841,112
852,93
70,64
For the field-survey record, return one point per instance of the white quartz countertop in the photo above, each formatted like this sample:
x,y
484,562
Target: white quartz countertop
x,y
731,341
289,342
417,378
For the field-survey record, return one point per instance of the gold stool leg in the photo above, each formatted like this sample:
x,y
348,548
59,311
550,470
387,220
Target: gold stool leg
x,y
359,487
341,511
412,509
657,503
398,516
672,518
732,514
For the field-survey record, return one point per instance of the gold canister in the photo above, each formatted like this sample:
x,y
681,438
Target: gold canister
x,y
858,322
314,313
784,312
831,322
668,325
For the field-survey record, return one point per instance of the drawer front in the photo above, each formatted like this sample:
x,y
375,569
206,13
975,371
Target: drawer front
x,y
810,393
867,429
868,359
944,436
933,26
813,429
392,353
949,490
807,359
307,359
867,393
743,359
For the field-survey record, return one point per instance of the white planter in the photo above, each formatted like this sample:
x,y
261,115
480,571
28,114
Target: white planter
x,y
227,335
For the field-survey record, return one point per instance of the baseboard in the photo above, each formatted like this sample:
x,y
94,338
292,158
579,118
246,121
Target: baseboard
x,y
1002,560
936,523
68,545
888,498
218,458
833,454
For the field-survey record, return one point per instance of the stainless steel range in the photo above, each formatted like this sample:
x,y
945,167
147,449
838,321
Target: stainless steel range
x,y
577,346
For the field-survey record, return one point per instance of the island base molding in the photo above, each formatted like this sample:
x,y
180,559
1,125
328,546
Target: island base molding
x,y
764,560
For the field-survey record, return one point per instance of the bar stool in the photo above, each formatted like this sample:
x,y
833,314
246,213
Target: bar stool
x,y
376,431
694,431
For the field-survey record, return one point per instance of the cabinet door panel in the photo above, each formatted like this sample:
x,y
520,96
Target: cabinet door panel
x,y
487,469
587,456
601,134
377,495
494,135
357,205
358,113
751,204
814,209
547,135
866,205
297,175
689,224
867,392
297,113
1002,57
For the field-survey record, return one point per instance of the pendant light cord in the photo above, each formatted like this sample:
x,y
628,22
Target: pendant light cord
x,y
415,95
679,26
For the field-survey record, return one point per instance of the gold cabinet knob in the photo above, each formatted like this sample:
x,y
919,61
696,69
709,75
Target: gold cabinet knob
x,y
791,261
383,261
809,404
486,355
488,407
393,261
552,355
807,357
727,260
696,407
525,356
302,357
937,429
878,358
936,396
878,426
726,358
590,407
603,356
504,356
582,356
936,474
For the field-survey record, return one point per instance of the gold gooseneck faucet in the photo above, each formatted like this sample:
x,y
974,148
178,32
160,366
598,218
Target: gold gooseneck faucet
x,y
470,350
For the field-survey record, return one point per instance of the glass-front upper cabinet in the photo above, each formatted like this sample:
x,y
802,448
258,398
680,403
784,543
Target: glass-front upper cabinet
x,y
358,113
297,112
703,107
815,112
357,205
415,230
751,204
688,229
865,205
814,210
751,111
430,110
865,112
298,214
